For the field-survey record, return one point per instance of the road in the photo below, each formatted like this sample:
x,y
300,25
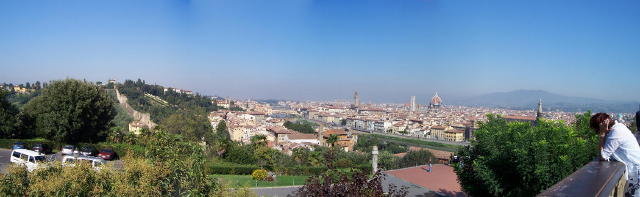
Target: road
x,y
5,155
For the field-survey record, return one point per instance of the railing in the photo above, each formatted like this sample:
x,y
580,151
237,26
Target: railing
x,y
597,178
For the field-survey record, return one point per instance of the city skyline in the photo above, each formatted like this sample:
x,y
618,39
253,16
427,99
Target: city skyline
x,y
325,50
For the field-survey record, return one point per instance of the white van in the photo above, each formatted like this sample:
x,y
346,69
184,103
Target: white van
x,y
31,159
96,162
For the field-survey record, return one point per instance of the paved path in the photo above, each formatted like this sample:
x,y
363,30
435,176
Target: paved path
x,y
5,155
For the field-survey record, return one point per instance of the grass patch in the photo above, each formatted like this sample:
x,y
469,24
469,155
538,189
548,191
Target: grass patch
x,y
240,181
420,143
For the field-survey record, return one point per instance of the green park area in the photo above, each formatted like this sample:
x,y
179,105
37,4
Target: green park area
x,y
418,142
238,181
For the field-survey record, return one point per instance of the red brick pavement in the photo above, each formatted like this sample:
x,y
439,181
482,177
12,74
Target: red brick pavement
x,y
441,179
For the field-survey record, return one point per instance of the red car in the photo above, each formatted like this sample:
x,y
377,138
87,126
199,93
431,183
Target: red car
x,y
107,154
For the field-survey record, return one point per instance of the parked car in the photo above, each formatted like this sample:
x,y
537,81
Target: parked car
x,y
19,145
96,162
41,148
68,149
31,159
107,154
87,151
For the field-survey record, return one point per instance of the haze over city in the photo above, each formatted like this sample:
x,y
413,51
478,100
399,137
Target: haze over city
x,y
325,50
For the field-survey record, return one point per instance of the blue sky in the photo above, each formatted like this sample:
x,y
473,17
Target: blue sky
x,y
326,49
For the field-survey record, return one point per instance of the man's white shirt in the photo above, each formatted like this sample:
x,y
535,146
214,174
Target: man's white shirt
x,y
623,146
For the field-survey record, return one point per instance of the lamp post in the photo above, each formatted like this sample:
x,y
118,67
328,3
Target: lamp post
x,y
374,160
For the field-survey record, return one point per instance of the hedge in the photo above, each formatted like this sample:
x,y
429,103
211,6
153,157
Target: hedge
x,y
231,169
241,169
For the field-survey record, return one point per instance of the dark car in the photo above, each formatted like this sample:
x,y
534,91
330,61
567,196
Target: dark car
x,y
87,151
107,154
19,145
41,148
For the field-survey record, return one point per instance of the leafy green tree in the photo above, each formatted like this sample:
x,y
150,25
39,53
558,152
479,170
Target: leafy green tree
x,y
332,139
8,114
169,166
365,142
71,111
301,126
520,159
259,140
387,160
222,131
301,155
239,154
191,125
414,158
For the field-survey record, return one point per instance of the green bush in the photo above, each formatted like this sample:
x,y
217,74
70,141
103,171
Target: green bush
x,y
259,174
231,169
239,169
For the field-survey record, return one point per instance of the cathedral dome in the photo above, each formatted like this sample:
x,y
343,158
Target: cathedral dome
x,y
436,100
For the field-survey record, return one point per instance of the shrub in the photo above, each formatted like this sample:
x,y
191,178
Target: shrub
x,y
259,174
231,169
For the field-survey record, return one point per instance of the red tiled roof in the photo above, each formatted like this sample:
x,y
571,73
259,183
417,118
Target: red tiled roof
x,y
296,136
454,131
528,118
334,131
279,130
441,179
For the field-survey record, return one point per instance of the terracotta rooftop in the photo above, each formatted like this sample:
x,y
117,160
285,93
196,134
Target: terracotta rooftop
x,y
454,131
441,179
334,131
528,118
300,136
279,130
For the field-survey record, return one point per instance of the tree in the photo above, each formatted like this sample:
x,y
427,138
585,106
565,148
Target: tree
x,y
348,183
332,139
521,159
71,111
414,158
301,126
37,85
222,132
169,166
8,114
259,140
193,126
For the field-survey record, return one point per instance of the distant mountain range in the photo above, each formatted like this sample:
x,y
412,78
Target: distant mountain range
x,y
528,99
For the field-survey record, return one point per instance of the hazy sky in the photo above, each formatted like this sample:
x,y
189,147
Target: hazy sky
x,y
389,50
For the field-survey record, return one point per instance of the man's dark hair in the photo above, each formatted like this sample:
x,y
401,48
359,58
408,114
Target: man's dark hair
x,y
598,118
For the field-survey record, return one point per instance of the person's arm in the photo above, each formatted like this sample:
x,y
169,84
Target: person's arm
x,y
607,146
601,145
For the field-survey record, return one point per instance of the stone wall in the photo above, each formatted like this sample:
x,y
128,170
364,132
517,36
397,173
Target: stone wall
x,y
144,118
